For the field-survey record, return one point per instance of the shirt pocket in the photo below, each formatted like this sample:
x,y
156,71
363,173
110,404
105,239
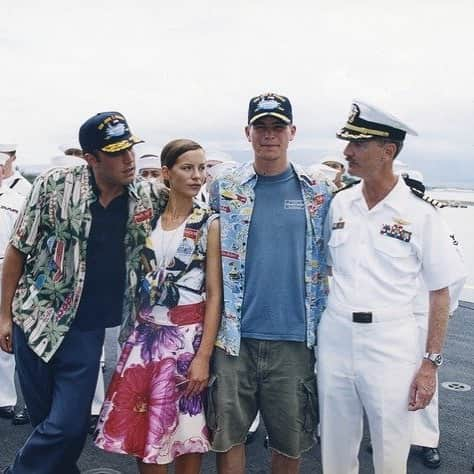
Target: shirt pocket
x,y
340,255
392,247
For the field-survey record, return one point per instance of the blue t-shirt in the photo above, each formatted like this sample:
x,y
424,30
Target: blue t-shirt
x,y
273,306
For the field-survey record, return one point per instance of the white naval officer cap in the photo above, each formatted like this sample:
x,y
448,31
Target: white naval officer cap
x,y
7,147
70,149
328,160
148,160
366,122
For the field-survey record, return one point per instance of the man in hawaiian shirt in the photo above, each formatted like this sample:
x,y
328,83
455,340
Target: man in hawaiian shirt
x,y
274,270
70,271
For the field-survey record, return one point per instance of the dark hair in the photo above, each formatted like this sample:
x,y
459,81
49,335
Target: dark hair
x,y
174,149
398,144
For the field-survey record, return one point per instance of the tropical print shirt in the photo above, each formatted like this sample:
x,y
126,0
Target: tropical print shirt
x,y
183,281
52,231
233,197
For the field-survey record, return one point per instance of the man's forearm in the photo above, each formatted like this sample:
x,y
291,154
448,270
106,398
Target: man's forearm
x,y
438,320
11,272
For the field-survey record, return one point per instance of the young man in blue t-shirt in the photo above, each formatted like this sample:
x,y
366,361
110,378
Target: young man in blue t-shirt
x,y
274,272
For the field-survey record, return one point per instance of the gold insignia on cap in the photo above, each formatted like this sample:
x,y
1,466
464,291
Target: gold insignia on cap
x,y
355,111
121,145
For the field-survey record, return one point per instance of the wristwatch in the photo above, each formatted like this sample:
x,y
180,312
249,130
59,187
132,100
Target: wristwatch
x,y
436,359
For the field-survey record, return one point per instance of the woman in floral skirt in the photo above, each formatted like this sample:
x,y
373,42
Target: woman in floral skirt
x,y
154,404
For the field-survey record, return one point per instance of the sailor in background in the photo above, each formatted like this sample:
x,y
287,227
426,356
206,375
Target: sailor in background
x,y
426,425
382,236
337,164
217,163
426,432
13,187
12,178
149,167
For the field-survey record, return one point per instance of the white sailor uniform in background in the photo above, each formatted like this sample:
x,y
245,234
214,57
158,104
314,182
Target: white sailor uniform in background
x,y
18,183
426,422
10,205
368,347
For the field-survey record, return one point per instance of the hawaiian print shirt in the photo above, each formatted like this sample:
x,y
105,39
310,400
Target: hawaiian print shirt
x,y
52,231
182,282
233,197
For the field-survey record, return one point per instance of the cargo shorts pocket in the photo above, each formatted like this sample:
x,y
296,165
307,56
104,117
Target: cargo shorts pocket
x,y
211,411
310,404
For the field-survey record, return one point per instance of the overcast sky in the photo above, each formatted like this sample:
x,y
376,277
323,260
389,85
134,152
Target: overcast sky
x,y
188,69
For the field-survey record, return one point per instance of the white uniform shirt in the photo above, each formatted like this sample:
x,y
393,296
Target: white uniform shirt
x,y
10,205
18,183
421,301
377,255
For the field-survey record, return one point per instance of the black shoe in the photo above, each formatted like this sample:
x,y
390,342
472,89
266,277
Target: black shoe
x,y
431,457
7,412
93,423
22,417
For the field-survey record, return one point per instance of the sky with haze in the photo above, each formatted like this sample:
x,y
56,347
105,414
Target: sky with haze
x,y
188,69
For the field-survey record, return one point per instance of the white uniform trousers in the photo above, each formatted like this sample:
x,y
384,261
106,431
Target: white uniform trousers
x,y
426,422
99,394
366,366
7,380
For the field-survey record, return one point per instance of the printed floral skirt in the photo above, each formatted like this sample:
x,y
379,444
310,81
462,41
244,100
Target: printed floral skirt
x,y
145,413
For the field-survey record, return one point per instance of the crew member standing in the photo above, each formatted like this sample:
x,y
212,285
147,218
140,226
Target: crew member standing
x,y
13,188
383,236
69,272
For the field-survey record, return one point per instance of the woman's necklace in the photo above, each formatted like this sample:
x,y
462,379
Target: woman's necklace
x,y
166,244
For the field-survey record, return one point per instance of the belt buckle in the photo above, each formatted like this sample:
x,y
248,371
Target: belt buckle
x,y
362,317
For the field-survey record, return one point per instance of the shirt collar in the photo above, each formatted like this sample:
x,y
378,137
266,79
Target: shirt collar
x,y
131,188
247,173
395,199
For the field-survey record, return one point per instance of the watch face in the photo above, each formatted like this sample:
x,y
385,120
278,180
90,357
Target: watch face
x,y
438,360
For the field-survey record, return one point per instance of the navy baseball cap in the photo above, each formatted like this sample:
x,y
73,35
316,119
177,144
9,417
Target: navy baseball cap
x,y
108,132
270,104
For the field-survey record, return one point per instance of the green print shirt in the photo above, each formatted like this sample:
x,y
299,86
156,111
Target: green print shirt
x,y
52,231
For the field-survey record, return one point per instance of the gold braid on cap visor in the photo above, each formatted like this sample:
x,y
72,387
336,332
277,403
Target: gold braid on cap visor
x,y
366,131
121,145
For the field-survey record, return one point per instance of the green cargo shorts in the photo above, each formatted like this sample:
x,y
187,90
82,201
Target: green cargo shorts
x,y
275,377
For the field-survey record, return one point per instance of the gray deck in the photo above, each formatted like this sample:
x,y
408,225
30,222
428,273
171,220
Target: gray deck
x,y
456,419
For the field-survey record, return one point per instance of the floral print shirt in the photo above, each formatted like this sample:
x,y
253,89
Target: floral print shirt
x,y
182,282
233,197
52,231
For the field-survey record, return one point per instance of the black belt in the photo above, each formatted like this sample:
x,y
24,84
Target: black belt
x,y
362,317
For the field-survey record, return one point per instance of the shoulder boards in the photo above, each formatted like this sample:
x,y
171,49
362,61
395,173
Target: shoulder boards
x,y
347,186
14,183
426,198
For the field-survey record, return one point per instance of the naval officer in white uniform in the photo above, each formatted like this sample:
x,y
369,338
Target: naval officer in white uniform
x,y
382,237
11,202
